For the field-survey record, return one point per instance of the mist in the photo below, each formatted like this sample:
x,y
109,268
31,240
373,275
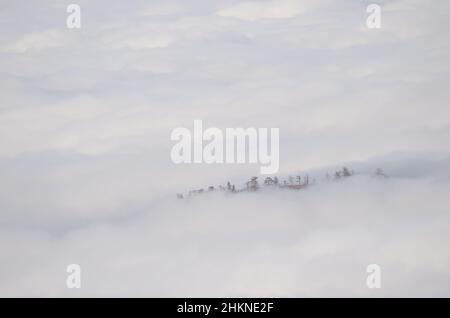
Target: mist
x,y
86,175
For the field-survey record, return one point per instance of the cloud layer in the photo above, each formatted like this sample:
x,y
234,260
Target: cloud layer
x,y
85,170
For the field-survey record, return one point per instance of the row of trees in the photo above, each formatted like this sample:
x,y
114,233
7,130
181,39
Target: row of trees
x,y
292,182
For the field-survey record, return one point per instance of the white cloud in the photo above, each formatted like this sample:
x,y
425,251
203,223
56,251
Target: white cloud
x,y
47,39
162,9
85,124
316,242
273,9
144,43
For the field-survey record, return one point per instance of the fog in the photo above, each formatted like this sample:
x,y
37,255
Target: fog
x,y
274,242
86,175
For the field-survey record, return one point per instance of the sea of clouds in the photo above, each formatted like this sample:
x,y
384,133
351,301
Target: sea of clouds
x,y
85,170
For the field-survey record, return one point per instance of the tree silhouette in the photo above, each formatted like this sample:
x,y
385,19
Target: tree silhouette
x,y
346,172
253,184
380,173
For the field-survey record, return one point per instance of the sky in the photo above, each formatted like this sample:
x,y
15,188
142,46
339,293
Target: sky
x,y
86,176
